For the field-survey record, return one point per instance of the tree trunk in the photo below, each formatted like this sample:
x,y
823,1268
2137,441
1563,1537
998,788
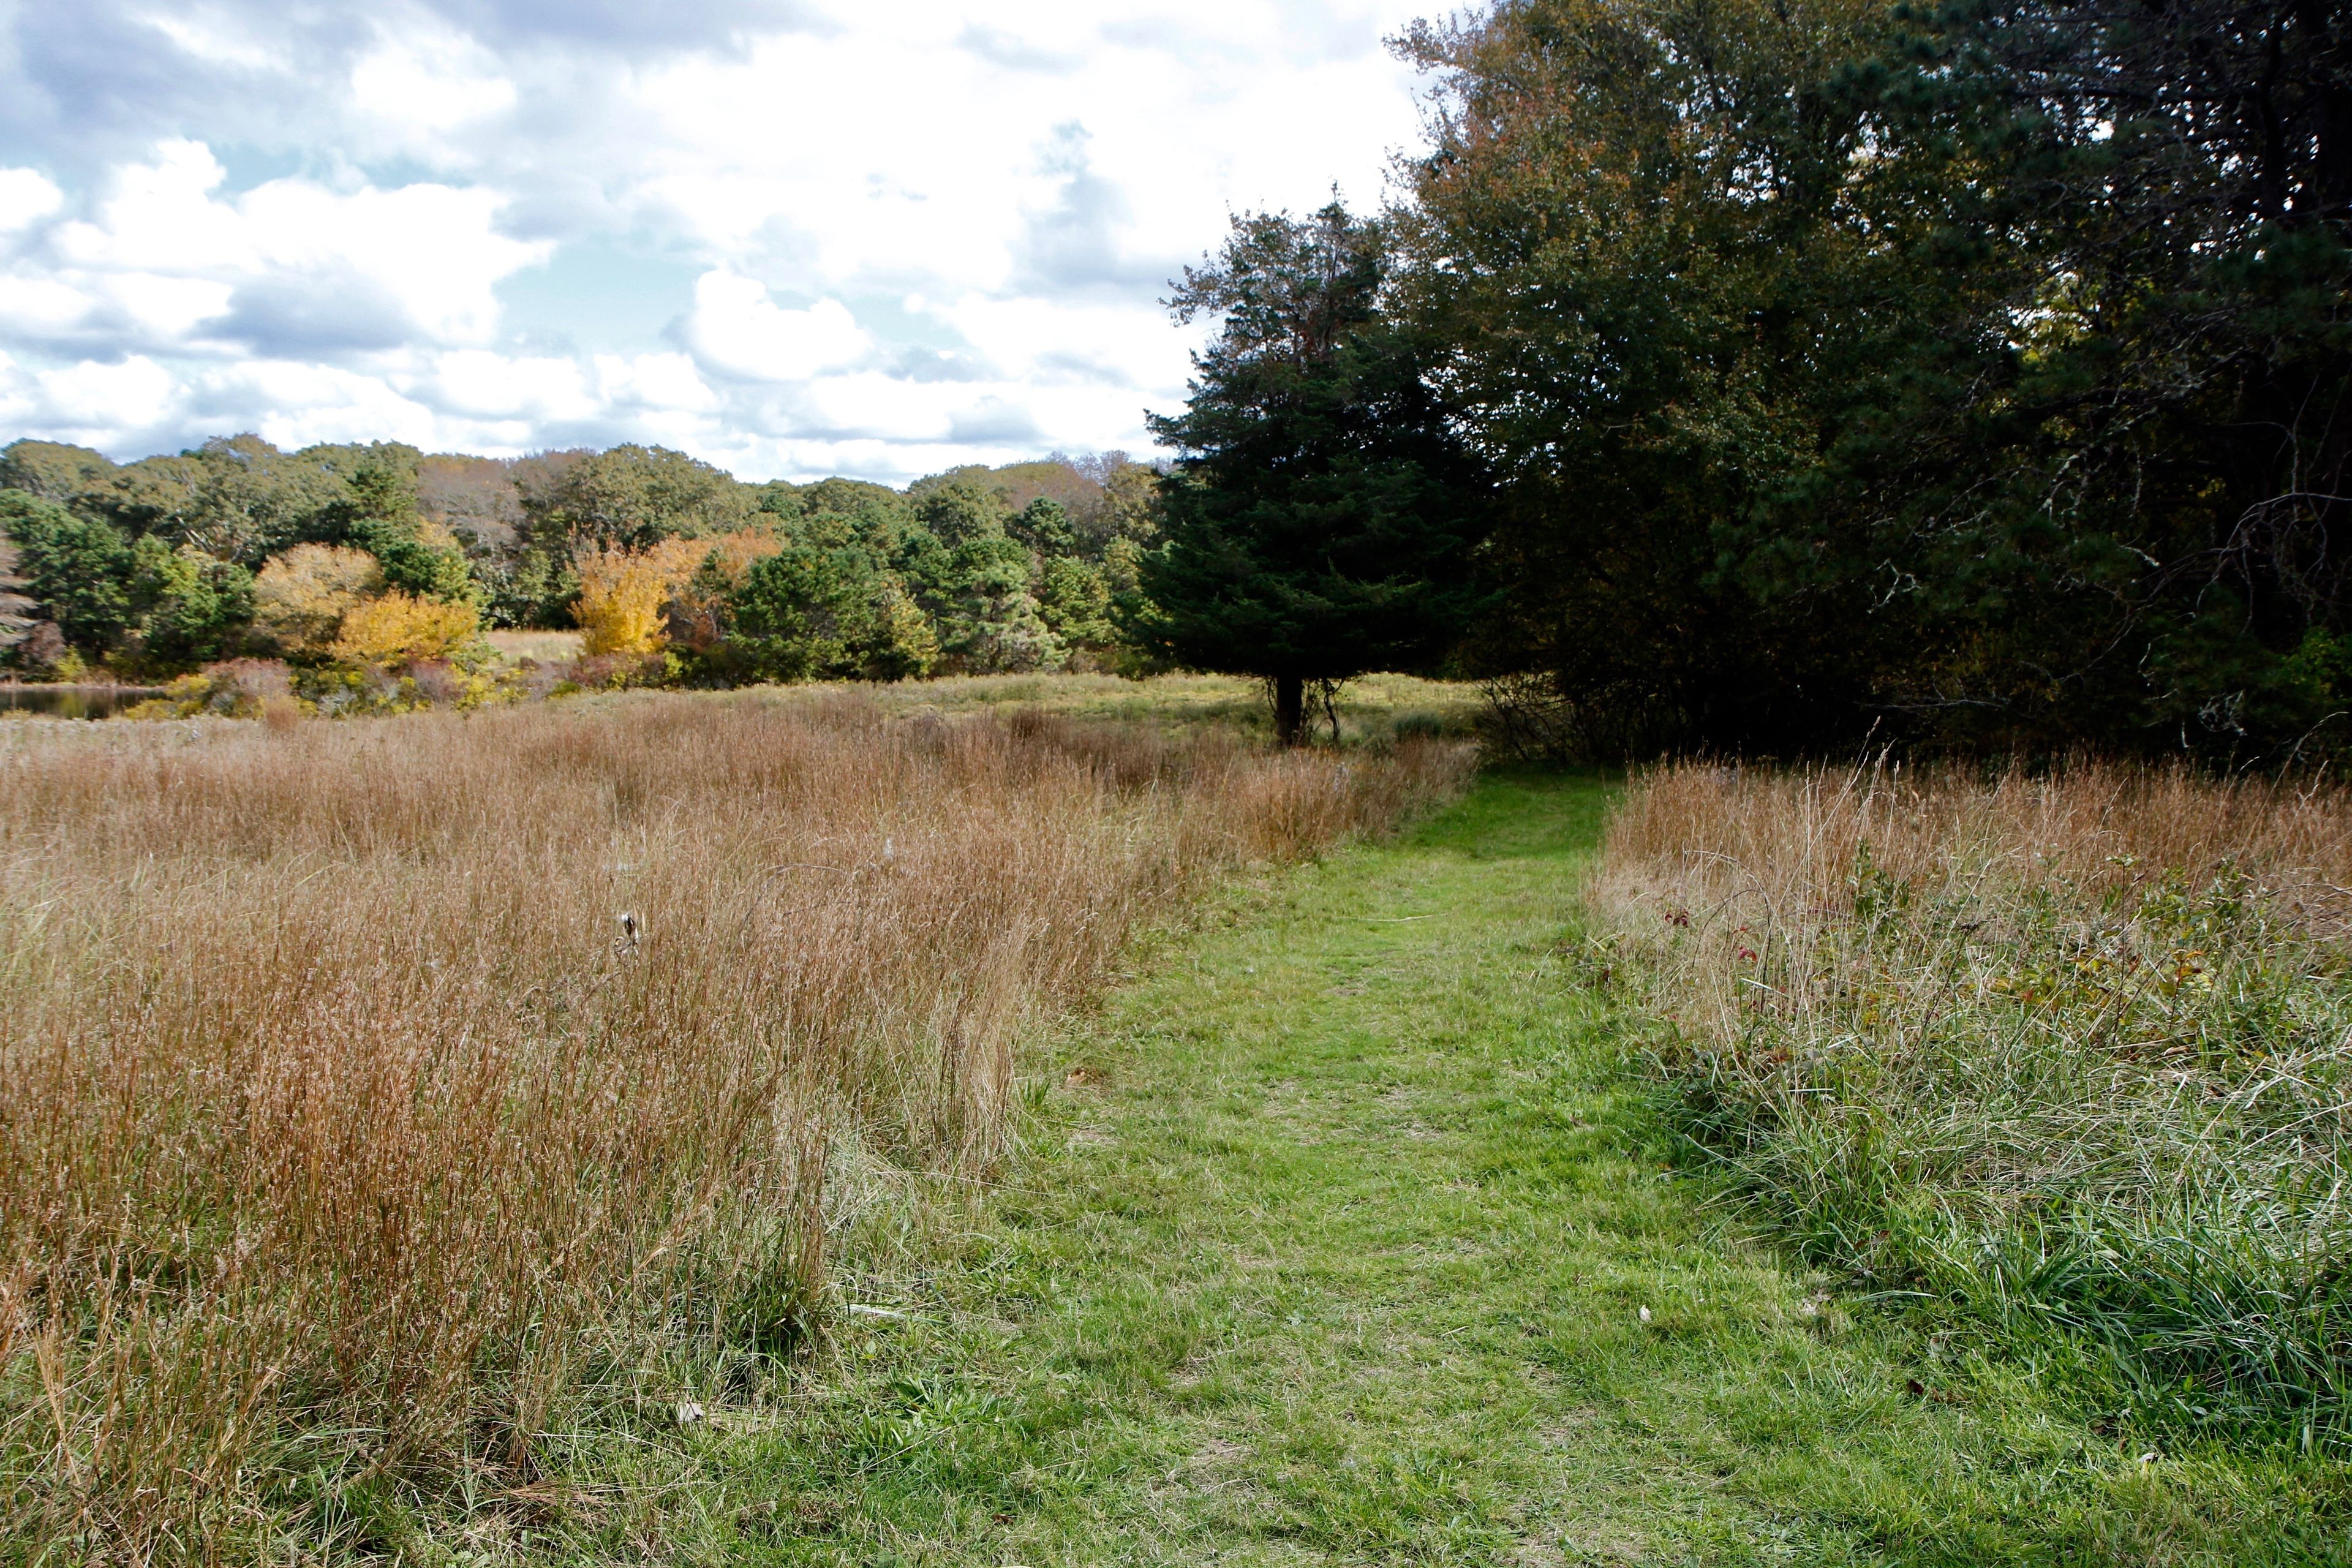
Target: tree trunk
x,y
1289,707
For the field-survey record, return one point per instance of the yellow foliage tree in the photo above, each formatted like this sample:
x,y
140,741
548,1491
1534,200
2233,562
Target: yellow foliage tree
x,y
624,594
300,598
400,630
698,597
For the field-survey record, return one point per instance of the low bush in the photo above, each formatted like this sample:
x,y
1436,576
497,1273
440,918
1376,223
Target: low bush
x,y
397,629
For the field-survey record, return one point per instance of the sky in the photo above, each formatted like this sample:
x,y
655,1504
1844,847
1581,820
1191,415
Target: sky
x,y
793,237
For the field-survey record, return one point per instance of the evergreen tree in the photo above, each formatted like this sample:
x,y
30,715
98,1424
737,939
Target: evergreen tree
x,y
1969,374
191,606
379,515
995,625
77,569
813,614
1323,517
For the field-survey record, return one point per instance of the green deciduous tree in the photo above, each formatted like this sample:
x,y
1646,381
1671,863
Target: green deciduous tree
x,y
190,607
960,507
237,497
53,470
631,497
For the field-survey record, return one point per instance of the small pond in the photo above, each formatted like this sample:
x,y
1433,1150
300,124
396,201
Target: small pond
x,y
73,701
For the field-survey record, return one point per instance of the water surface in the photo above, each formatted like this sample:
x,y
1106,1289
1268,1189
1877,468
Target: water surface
x,y
74,701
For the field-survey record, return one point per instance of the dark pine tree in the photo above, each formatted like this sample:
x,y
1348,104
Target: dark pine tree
x,y
1324,515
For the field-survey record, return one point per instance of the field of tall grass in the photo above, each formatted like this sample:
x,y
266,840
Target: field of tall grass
x,y
376,1096
2062,1060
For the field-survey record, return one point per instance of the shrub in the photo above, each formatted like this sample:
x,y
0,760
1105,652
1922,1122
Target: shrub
x,y
397,629
615,671
300,598
1418,724
438,682
622,594
232,688
43,653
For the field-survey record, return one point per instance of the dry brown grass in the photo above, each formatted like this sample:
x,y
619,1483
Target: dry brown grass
x,y
2070,1054
1782,843
1733,858
365,1085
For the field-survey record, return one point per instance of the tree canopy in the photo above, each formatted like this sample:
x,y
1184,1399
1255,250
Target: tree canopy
x,y
1976,376
1759,376
235,547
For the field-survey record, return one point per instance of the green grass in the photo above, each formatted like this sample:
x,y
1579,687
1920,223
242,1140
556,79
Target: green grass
x,y
1331,1244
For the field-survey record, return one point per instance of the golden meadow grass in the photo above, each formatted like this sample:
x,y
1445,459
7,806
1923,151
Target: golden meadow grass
x,y
2066,1059
368,1090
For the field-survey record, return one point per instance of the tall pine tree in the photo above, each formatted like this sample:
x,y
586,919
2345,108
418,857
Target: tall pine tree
x,y
1324,515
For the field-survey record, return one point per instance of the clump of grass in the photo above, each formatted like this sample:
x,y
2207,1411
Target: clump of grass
x,y
369,1091
2061,1059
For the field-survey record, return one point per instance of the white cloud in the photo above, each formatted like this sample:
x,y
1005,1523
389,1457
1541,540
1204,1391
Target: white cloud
x,y
654,383
736,328
136,394
540,389
17,393
433,248
27,196
217,38
289,258
887,240
161,213
41,306
1043,338
310,403
168,307
424,80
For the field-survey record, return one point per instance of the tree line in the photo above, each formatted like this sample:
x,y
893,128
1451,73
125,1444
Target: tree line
x,y
1772,376
381,556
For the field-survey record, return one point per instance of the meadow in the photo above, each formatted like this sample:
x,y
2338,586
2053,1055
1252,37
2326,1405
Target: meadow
x,y
378,1095
1001,1119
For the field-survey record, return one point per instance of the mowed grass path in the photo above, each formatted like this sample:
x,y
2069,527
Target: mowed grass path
x,y
1333,1243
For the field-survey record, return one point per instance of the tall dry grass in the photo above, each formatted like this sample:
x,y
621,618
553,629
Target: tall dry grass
x,y
2062,1058
367,1089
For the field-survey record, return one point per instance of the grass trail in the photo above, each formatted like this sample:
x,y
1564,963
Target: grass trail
x,y
1334,1246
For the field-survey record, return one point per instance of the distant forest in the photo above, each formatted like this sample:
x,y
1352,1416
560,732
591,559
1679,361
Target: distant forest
x,y
381,557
